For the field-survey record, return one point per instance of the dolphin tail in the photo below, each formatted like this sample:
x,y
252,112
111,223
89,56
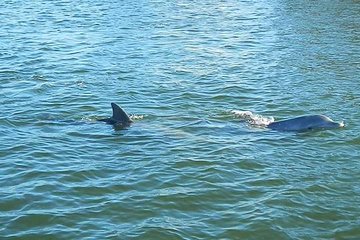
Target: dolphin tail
x,y
119,115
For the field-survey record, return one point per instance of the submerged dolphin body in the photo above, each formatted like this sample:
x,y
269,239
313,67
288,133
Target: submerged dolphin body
x,y
119,117
304,123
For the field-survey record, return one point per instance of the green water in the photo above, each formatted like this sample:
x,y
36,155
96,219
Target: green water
x,y
187,168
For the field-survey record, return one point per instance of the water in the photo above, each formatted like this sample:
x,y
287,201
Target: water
x,y
187,168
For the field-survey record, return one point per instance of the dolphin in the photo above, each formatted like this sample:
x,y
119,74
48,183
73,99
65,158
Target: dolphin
x,y
119,117
304,123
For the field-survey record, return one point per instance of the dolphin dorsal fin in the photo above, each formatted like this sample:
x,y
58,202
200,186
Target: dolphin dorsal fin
x,y
119,115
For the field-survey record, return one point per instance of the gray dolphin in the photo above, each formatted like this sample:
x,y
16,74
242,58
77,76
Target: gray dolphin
x,y
310,122
119,117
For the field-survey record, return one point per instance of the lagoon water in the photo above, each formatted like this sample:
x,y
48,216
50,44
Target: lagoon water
x,y
187,168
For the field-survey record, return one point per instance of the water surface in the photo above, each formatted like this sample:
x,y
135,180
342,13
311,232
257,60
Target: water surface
x,y
187,168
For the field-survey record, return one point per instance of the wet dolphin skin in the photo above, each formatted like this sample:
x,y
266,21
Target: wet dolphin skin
x,y
304,123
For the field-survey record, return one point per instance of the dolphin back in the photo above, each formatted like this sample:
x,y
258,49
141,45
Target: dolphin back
x,y
305,123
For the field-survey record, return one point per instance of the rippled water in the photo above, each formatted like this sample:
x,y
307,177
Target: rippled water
x,y
187,168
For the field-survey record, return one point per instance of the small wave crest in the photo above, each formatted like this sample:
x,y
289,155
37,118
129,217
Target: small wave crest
x,y
252,118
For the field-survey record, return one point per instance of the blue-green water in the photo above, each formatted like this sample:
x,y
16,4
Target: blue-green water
x,y
187,168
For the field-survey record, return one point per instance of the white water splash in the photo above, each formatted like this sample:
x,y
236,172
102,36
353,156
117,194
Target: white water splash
x,y
252,118
136,117
342,124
